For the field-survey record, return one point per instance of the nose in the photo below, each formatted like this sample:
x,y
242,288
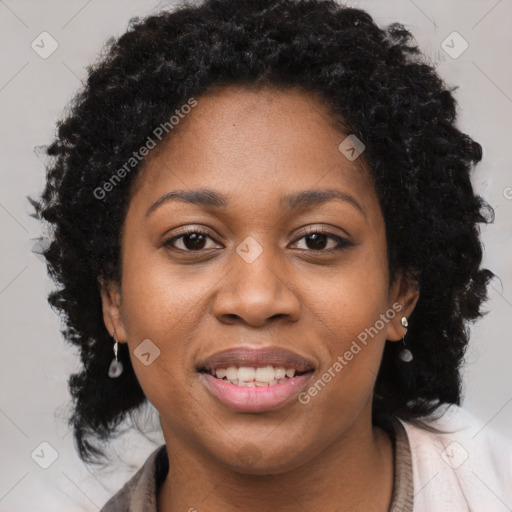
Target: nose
x,y
256,293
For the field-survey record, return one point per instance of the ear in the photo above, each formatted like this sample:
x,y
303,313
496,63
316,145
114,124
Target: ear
x,y
111,303
404,295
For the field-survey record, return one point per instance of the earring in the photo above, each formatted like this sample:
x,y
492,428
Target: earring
x,y
116,367
405,355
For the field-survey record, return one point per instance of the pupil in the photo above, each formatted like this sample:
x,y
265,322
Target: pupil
x,y
315,237
197,241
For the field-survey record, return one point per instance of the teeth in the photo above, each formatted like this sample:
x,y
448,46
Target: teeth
x,y
231,373
279,372
250,377
246,374
265,374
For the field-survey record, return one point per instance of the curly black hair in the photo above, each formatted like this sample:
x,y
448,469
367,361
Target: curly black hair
x,y
380,87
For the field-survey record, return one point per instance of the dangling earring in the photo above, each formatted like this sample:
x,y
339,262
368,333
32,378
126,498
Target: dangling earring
x,y
405,355
116,367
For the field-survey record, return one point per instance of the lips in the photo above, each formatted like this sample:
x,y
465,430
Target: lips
x,y
253,380
255,358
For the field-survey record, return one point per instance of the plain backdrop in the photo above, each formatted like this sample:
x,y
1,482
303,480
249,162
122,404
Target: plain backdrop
x,y
35,360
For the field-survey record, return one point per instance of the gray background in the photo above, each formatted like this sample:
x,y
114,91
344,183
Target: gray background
x,y
36,362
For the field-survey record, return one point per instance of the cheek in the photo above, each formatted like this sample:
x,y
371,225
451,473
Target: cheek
x,y
353,297
160,306
354,314
160,299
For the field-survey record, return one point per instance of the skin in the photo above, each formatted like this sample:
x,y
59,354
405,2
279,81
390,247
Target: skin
x,y
256,146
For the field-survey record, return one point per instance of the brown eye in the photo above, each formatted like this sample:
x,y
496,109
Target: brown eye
x,y
194,240
318,240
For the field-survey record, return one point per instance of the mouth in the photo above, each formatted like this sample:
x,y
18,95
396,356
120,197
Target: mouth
x,y
250,376
255,380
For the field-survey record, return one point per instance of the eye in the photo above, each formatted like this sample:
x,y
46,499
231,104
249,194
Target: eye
x,y
316,239
192,240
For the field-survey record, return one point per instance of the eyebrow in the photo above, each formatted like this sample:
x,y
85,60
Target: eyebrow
x,y
294,201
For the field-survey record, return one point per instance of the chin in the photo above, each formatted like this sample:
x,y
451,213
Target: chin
x,y
254,460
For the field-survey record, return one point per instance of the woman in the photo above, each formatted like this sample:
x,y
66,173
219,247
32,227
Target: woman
x,y
264,226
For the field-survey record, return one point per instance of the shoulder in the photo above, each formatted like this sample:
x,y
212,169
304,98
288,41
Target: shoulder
x,y
466,467
139,493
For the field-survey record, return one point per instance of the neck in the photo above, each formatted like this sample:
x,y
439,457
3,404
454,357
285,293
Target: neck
x,y
355,472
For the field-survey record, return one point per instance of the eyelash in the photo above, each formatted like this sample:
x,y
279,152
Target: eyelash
x,y
342,243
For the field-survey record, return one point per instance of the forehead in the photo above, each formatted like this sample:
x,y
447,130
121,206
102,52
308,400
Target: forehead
x,y
254,145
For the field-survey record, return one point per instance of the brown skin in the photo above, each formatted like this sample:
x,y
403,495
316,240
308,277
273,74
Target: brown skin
x,y
255,146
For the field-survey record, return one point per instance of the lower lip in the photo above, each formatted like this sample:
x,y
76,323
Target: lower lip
x,y
257,398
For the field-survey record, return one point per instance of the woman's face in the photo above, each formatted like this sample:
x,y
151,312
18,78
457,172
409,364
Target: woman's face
x,y
256,279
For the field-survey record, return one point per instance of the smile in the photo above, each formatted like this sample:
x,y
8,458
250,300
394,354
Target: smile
x,y
264,379
249,376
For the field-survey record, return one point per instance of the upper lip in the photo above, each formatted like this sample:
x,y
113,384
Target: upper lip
x,y
256,358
